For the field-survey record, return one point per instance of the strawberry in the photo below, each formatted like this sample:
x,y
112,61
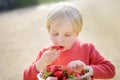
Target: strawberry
x,y
48,68
58,74
64,78
53,68
66,69
82,72
76,74
62,73
57,47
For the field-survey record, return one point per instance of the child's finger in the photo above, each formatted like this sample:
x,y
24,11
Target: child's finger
x,y
52,52
57,51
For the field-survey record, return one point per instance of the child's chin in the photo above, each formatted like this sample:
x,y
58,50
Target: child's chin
x,y
62,50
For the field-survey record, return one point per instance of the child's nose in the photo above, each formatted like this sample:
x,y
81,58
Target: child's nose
x,y
60,39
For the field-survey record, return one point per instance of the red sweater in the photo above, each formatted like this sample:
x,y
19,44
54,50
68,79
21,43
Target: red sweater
x,y
83,51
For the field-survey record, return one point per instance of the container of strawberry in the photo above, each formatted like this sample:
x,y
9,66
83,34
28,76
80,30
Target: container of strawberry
x,y
56,72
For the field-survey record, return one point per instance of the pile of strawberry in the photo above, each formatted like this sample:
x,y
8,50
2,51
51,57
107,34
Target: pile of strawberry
x,y
56,72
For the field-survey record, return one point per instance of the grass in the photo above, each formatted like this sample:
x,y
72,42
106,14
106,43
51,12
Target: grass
x,y
25,3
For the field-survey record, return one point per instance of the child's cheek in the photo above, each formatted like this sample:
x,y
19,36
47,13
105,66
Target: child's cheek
x,y
54,39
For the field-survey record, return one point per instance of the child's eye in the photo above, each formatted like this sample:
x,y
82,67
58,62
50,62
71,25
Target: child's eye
x,y
55,34
67,35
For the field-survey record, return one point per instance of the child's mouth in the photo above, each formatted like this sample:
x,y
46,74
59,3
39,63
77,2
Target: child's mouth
x,y
61,47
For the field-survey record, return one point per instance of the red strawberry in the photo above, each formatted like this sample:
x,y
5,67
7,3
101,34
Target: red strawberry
x,y
53,68
76,74
57,47
48,68
58,74
82,72
64,78
66,69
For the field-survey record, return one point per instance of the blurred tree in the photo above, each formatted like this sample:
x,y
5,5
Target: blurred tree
x,y
24,3
6,5
47,1
11,4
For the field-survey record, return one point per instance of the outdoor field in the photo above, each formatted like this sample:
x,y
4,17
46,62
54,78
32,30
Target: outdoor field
x,y
23,33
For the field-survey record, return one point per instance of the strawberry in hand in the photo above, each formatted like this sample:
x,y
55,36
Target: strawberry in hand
x,y
57,47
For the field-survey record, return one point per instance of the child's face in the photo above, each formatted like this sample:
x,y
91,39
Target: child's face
x,y
62,34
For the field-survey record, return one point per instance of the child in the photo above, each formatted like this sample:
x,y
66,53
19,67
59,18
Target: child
x,y
64,23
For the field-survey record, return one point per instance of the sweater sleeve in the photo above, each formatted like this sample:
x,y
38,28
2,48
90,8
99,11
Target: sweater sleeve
x,y
102,68
30,73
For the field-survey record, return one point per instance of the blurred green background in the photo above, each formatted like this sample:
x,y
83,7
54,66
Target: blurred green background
x,y
24,3
13,4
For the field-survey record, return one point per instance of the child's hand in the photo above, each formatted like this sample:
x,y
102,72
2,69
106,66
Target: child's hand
x,y
88,75
76,65
48,57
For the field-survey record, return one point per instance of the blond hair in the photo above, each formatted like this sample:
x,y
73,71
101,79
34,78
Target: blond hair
x,y
61,11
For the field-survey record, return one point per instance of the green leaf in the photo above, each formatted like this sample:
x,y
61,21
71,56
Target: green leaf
x,y
47,74
86,70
